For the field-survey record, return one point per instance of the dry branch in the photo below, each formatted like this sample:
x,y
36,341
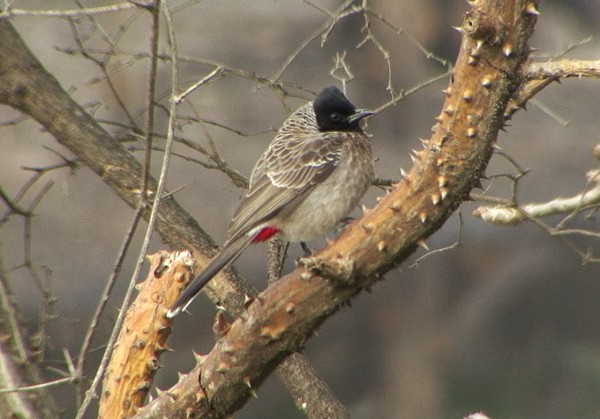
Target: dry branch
x,y
143,336
487,74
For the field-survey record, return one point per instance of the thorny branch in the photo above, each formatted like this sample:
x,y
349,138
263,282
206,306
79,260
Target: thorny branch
x,y
538,75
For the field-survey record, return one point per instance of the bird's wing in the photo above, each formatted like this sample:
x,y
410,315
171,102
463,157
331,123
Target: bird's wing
x,y
283,176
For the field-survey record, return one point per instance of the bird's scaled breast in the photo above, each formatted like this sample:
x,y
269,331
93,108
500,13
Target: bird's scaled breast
x,y
333,199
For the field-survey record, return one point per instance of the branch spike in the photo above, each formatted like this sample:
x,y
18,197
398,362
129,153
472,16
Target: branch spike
x,y
531,9
423,244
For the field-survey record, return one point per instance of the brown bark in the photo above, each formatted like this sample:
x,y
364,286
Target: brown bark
x,y
143,337
487,75
26,86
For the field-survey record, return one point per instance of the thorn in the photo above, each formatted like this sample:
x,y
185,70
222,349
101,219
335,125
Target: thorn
x,y
246,381
507,50
486,82
471,132
248,300
443,193
447,92
479,44
223,367
413,158
496,147
423,244
220,327
272,333
459,29
200,396
423,217
473,60
449,111
395,206
531,9
513,109
253,393
468,96
442,181
199,358
435,199
417,153
368,228
290,308
381,246
403,173
164,348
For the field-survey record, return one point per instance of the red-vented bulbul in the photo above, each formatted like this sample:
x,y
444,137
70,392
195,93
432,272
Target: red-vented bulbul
x,y
312,175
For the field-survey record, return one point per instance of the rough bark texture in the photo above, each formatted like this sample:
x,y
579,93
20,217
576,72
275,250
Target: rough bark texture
x,y
143,337
487,74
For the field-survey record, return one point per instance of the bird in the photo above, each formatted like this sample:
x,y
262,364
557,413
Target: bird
x,y
314,172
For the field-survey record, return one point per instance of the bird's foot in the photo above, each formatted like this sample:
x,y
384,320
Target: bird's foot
x,y
307,250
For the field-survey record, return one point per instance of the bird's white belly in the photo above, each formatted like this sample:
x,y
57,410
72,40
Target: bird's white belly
x,y
331,201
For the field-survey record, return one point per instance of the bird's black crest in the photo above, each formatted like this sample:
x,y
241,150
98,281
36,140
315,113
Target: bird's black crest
x,y
334,111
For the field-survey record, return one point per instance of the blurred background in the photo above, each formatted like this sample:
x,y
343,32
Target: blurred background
x,y
507,322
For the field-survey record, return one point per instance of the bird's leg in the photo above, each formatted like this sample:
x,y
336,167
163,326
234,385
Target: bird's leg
x,y
307,250
345,221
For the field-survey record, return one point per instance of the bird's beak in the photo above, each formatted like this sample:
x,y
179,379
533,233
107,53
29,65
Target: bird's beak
x,y
360,114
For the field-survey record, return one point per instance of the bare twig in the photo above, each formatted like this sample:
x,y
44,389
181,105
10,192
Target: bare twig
x,y
92,328
153,215
10,12
513,215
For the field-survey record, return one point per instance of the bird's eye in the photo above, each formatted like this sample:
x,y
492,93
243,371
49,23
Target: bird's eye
x,y
335,117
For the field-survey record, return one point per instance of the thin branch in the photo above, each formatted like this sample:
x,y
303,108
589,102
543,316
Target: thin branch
x,y
110,283
9,12
323,29
14,208
37,387
153,215
151,97
566,68
515,215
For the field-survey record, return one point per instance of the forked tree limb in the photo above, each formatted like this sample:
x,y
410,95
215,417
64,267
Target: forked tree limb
x,y
488,73
26,86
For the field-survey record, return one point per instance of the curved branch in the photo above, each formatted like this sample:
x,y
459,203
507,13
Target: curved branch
x,y
276,323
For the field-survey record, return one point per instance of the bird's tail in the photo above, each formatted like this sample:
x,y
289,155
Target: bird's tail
x,y
228,254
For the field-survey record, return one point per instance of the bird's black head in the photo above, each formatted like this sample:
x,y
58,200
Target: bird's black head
x,y
334,112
